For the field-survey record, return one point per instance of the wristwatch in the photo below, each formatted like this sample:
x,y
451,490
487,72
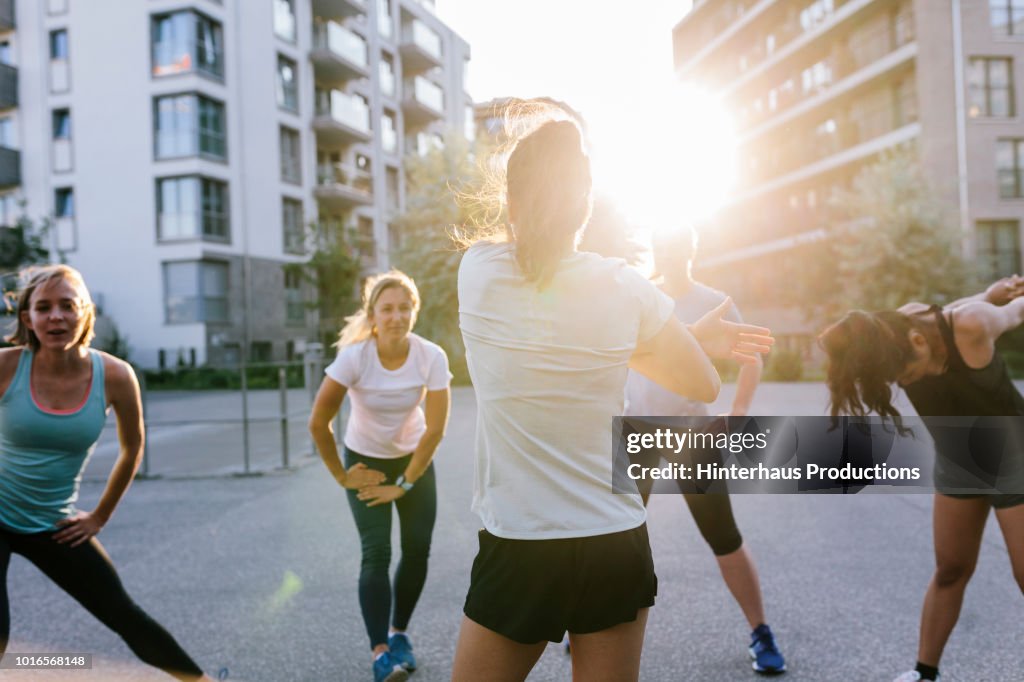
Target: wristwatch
x,y
403,484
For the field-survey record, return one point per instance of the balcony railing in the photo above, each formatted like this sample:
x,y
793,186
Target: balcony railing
x,y
341,186
341,42
7,15
10,167
338,9
8,86
420,46
347,110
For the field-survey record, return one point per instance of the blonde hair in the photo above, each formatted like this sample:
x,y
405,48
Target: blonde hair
x,y
546,175
358,326
34,277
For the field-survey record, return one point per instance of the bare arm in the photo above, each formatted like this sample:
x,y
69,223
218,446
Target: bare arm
x,y
746,384
979,325
325,407
122,389
437,406
1000,292
674,359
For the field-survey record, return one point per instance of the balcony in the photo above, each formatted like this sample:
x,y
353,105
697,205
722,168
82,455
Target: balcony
x,y
10,167
8,86
7,15
420,47
338,9
341,119
338,54
340,187
422,101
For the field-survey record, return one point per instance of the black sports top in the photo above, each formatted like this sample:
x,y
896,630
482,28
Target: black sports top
x,y
962,390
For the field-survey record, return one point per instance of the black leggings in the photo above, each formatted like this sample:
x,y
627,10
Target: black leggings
x,y
85,573
712,512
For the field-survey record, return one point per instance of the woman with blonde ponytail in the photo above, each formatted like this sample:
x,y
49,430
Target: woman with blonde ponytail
x,y
549,335
387,371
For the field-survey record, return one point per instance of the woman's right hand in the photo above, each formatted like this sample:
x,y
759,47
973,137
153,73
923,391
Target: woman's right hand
x,y
727,340
1005,290
359,476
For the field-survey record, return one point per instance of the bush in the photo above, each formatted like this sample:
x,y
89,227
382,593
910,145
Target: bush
x,y
784,365
214,378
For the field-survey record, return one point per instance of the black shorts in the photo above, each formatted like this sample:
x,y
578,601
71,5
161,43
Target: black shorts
x,y
535,590
997,500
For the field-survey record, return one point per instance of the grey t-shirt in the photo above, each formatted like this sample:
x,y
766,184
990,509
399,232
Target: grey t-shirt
x,y
648,399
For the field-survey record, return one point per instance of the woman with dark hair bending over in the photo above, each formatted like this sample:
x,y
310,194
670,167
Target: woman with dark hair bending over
x,y
549,334
945,359
54,395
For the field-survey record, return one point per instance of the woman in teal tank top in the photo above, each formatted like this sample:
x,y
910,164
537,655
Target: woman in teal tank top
x,y
54,394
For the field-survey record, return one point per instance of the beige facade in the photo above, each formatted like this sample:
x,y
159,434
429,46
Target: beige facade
x,y
821,87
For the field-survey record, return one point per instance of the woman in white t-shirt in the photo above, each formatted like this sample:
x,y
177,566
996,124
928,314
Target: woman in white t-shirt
x,y
549,335
387,371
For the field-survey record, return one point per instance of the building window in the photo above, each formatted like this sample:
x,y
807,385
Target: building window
x,y
291,156
1009,163
385,25
5,52
388,132
7,137
990,87
60,77
192,207
293,229
185,42
195,291
387,75
287,84
9,210
64,203
998,248
294,305
1007,16
61,140
284,19
392,199
187,125
366,243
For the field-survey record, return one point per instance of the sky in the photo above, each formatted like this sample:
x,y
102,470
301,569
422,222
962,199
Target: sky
x,y
612,62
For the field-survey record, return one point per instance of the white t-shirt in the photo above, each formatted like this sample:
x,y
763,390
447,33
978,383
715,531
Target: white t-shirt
x,y
386,419
648,399
549,368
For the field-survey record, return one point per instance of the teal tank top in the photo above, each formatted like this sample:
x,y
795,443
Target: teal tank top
x,y
43,453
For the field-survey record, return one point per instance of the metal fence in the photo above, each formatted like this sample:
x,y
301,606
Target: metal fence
x,y
243,419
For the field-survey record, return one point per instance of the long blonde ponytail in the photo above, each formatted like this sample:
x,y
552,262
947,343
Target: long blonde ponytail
x,y
357,325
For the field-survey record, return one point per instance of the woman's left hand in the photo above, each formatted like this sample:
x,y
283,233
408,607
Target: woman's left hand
x,y
380,494
77,529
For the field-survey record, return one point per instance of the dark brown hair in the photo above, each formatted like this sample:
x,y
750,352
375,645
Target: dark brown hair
x,y
867,352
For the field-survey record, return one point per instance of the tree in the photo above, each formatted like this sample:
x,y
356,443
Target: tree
x,y
891,239
21,245
443,190
333,270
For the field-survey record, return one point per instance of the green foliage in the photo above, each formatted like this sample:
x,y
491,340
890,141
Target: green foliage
x,y
213,378
21,245
784,365
333,268
438,186
891,240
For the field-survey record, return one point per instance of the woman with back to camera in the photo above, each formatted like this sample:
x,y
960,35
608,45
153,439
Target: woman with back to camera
x,y
54,395
549,334
387,371
946,361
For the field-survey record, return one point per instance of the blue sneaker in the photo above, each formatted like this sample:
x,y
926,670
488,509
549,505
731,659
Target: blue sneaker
x,y
767,657
385,669
401,651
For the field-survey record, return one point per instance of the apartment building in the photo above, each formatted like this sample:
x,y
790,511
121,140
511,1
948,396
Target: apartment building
x,y
821,87
183,149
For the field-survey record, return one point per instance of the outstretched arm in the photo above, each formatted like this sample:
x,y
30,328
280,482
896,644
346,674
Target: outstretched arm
x,y
979,325
1000,292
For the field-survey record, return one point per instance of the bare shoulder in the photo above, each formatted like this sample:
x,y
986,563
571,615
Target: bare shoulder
x,y
913,308
8,364
974,318
119,375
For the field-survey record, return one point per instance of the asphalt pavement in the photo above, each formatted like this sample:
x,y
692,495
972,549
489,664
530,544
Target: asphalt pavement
x,y
258,574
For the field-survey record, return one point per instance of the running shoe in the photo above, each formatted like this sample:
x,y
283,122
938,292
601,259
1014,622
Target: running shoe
x,y
913,676
386,670
765,654
401,651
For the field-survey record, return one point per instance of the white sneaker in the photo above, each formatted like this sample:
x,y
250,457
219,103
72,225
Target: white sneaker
x,y
913,676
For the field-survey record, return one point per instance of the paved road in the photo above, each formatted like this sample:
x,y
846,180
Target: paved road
x,y
259,574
